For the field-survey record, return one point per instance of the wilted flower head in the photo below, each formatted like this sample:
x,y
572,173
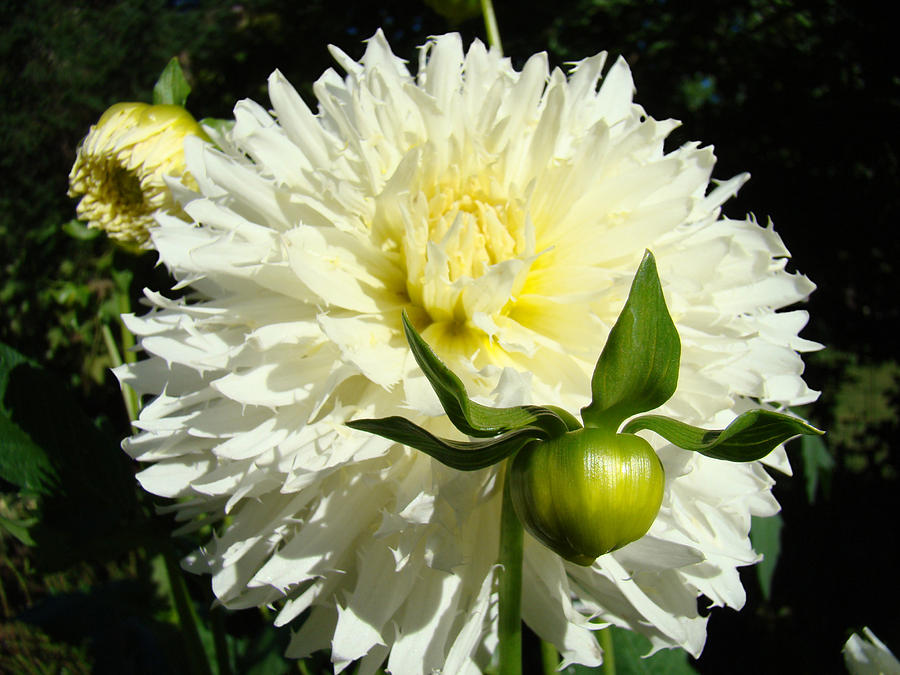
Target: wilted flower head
x,y
506,211
120,167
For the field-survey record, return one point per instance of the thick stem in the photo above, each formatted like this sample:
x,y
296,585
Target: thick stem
x,y
128,394
549,658
490,25
510,620
128,352
609,652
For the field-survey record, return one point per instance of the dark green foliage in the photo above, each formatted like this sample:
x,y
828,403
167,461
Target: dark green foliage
x,y
22,461
765,533
630,650
48,447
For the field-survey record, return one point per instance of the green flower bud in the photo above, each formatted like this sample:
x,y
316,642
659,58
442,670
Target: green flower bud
x,y
587,492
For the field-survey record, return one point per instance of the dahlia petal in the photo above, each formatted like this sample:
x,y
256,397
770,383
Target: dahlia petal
x,y
298,122
616,92
374,348
550,613
378,594
654,554
172,477
421,633
333,272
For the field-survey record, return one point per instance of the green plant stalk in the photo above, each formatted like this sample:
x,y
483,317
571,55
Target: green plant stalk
x,y
490,25
549,658
510,620
609,652
129,353
187,617
129,396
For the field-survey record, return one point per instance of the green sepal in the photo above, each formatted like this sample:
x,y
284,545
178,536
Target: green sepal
x,y
638,367
460,455
171,87
79,230
474,419
751,436
571,422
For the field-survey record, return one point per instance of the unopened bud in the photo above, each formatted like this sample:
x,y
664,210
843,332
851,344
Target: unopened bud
x,y
587,492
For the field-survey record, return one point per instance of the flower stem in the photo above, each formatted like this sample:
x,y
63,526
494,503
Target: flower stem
x,y
490,25
549,658
128,394
510,629
126,355
609,652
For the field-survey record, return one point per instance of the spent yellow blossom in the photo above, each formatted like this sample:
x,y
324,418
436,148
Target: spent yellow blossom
x,y
120,165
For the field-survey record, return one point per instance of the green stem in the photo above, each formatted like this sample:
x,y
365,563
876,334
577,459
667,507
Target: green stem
x,y
549,658
609,652
187,617
490,25
132,402
510,620
129,396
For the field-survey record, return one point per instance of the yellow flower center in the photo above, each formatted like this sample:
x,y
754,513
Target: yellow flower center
x,y
475,228
125,188
466,248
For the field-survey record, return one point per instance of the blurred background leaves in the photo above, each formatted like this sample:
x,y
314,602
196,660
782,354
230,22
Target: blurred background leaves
x,y
804,94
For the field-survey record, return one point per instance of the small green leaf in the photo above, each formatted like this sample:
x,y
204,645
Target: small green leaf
x,y
817,463
473,418
19,529
171,87
23,462
456,11
751,436
460,455
765,534
629,656
78,230
638,368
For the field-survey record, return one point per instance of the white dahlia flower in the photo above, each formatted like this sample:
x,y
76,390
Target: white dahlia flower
x,y
507,212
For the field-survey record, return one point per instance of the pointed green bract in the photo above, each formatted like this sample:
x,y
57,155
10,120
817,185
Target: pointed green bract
x,y
460,455
751,436
638,368
171,87
473,418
